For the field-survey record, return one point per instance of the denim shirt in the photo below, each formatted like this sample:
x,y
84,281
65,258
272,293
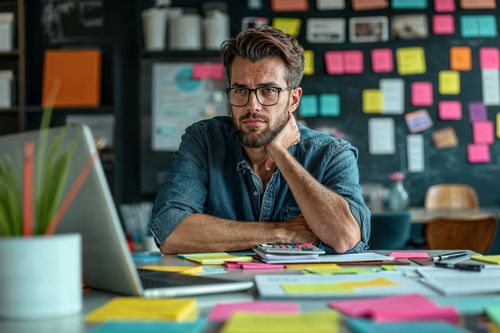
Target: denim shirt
x,y
211,175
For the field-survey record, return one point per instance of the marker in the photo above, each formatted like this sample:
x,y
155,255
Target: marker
x,y
451,255
460,266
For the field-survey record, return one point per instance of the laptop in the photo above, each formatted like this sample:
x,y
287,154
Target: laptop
x,y
107,262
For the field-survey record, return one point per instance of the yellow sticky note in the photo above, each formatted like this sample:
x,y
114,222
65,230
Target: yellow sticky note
x,y
411,60
190,270
492,259
312,266
449,83
314,288
372,101
214,260
380,282
316,321
340,270
388,267
288,25
308,62
137,308
498,125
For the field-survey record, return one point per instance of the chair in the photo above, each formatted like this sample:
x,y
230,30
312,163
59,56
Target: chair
x,y
453,233
451,196
390,230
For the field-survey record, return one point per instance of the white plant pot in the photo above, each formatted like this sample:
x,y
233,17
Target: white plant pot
x,y
40,276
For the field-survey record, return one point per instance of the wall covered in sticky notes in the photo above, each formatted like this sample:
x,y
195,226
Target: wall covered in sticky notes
x,y
427,71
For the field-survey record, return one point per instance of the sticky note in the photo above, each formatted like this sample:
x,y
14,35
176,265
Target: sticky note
x,y
445,138
190,270
379,282
288,25
493,313
372,101
450,110
311,265
478,4
421,93
257,265
498,125
393,96
308,106
330,4
368,326
353,62
150,327
216,71
381,137
369,4
489,58
487,25
415,153
418,121
482,132
329,105
317,288
411,60
444,5
460,58
443,24
469,26
490,79
409,254
334,62
409,4
478,153
490,259
382,61
222,311
449,83
289,6
340,270
477,111
199,71
308,62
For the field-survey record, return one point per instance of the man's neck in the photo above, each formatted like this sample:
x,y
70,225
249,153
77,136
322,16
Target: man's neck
x,y
257,158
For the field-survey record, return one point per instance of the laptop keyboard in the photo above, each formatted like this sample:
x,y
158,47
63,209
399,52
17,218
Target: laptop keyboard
x,y
154,279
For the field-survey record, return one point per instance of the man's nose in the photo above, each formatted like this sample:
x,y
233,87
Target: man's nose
x,y
253,103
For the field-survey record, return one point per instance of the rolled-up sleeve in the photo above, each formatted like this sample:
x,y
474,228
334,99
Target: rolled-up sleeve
x,y
342,177
185,190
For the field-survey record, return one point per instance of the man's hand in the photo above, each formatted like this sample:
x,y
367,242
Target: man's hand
x,y
296,230
287,137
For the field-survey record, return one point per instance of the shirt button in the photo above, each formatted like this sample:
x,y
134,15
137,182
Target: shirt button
x,y
255,193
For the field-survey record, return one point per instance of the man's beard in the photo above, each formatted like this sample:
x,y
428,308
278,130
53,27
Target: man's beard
x,y
257,140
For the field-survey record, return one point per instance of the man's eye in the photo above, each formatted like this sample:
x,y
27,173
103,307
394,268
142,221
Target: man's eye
x,y
240,91
268,91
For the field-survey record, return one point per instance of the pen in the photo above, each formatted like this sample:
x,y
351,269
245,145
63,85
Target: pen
x,y
451,255
460,266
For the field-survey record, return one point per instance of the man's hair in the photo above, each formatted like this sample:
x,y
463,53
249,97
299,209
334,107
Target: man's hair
x,y
258,43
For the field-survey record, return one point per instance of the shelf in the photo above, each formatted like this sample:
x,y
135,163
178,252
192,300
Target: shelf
x,y
175,54
105,109
9,54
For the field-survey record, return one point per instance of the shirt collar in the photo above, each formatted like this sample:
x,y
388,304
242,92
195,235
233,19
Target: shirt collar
x,y
241,162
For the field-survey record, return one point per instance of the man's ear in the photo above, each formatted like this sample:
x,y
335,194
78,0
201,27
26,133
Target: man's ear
x,y
295,99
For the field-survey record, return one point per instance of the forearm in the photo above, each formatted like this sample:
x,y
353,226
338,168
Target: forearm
x,y
326,213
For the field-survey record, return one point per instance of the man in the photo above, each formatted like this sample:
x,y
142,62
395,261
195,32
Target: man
x,y
258,176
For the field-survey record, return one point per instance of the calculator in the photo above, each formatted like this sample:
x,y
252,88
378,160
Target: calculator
x,y
290,248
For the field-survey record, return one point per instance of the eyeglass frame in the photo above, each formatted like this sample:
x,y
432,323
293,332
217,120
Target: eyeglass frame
x,y
254,90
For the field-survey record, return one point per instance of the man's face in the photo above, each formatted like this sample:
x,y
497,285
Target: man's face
x,y
257,125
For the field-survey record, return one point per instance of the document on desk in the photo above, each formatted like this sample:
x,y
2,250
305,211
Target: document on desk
x,y
453,282
298,286
354,257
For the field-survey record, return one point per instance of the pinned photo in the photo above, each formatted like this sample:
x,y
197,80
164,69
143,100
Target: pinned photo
x,y
409,27
326,30
368,29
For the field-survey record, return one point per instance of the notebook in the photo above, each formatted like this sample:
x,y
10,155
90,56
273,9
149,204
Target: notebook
x,y
107,262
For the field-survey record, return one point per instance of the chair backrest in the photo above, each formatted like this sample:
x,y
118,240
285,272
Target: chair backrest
x,y
471,233
390,230
445,196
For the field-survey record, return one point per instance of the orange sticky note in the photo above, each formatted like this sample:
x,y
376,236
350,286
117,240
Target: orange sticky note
x,y
478,153
289,5
478,4
460,58
445,138
369,4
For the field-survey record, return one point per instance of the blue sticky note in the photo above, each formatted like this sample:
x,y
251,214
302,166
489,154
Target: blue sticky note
x,y
149,327
409,4
469,26
308,106
329,105
468,304
368,326
487,25
146,257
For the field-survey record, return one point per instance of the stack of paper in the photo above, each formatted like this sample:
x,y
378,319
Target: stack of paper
x,y
286,258
214,258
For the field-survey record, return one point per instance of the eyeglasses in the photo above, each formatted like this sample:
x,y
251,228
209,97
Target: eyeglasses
x,y
266,96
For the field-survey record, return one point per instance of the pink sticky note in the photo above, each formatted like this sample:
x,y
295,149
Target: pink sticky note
x,y
222,312
260,266
443,24
410,307
482,131
382,61
229,264
199,71
478,153
334,62
353,62
489,58
216,71
444,5
408,255
450,110
421,94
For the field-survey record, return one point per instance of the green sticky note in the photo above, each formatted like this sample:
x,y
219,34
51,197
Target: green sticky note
x,y
314,288
487,25
469,26
388,267
493,313
308,106
409,4
329,105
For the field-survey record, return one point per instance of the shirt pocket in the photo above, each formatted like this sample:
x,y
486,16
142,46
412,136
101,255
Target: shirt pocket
x,y
288,213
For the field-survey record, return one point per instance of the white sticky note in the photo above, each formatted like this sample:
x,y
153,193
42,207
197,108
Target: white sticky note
x,y
381,136
415,152
393,95
491,86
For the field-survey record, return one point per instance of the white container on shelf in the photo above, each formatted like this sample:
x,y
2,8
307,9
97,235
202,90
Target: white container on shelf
x,y
154,26
215,29
185,32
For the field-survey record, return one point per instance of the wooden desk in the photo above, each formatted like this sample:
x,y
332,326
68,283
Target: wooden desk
x,y
422,215
93,299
